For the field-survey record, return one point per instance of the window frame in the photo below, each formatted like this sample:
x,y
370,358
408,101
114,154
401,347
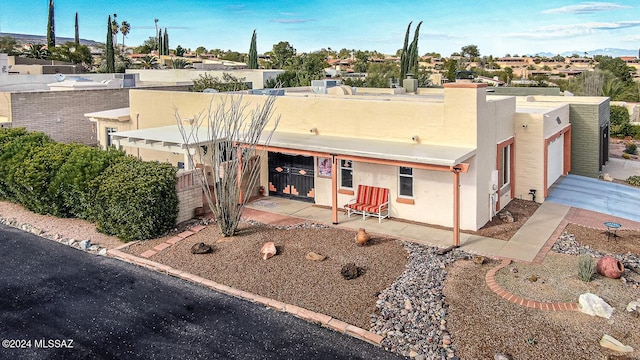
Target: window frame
x,y
409,176
108,130
345,169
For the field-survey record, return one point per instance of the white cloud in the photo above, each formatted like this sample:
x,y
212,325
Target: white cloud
x,y
291,21
560,31
586,8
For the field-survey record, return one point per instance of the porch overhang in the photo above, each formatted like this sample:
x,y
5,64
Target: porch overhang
x,y
166,138
417,155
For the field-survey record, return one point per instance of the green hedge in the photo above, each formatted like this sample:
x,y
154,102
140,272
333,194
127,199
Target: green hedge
x,y
124,196
72,183
16,147
136,199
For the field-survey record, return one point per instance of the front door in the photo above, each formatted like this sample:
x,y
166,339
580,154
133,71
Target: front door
x,y
604,146
291,176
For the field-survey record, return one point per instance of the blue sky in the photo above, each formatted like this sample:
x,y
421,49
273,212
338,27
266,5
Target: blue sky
x,y
497,27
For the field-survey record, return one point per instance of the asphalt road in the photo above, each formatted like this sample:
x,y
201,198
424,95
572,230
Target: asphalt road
x,y
57,302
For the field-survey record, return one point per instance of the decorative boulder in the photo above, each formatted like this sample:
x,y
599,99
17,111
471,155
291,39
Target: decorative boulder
x,y
350,271
634,308
610,342
506,216
362,237
594,305
268,250
313,256
201,248
610,267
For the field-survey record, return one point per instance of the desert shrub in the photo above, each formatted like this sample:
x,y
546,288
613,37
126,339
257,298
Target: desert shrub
x,y
626,156
631,148
634,180
16,146
71,183
135,199
620,121
586,268
33,178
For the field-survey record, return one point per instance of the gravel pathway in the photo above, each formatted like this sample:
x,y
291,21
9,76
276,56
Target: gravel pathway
x,y
411,313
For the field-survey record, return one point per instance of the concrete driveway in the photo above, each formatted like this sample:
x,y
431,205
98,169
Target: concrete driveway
x,y
597,195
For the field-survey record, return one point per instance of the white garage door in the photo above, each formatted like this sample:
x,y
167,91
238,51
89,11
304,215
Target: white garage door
x,y
555,163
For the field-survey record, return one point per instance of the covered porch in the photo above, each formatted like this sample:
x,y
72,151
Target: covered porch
x,y
430,157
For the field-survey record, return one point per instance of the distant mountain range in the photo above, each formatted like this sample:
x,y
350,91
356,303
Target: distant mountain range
x,y
40,39
613,52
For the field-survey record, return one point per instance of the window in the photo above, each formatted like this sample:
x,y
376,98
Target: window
x,y
405,179
346,174
108,131
505,166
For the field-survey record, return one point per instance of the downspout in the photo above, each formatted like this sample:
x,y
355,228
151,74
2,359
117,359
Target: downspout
x,y
334,189
138,128
456,207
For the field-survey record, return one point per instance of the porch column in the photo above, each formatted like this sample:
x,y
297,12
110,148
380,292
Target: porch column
x,y
334,189
456,207
188,164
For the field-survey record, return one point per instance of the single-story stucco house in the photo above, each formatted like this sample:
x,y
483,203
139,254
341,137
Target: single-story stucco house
x,y
452,156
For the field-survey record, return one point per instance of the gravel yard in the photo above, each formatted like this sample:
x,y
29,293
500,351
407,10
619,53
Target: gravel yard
x,y
426,305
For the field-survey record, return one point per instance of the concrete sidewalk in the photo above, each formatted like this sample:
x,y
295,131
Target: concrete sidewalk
x,y
621,169
526,244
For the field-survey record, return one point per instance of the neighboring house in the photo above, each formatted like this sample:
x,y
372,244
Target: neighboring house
x,y
59,110
419,146
256,77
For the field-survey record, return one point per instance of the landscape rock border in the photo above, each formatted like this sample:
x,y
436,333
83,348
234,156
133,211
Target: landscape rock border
x,y
83,245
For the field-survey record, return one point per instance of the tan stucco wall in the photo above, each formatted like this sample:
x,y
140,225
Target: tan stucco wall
x,y
529,153
454,116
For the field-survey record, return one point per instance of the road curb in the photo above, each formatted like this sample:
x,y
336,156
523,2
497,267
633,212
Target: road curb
x,y
301,313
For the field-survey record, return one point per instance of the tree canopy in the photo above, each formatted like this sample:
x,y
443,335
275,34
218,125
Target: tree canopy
x,y
282,54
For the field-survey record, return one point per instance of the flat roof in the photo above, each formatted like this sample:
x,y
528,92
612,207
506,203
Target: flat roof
x,y
370,148
121,114
337,145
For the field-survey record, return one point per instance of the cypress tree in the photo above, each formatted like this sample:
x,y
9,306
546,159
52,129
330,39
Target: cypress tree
x,y
77,31
413,52
404,57
165,46
409,56
253,52
51,28
111,60
160,43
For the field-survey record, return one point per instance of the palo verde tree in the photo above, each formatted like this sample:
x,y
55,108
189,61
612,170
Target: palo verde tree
x,y
111,59
233,133
253,52
51,27
409,57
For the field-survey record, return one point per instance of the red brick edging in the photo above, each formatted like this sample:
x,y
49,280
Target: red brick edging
x,y
308,315
490,278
